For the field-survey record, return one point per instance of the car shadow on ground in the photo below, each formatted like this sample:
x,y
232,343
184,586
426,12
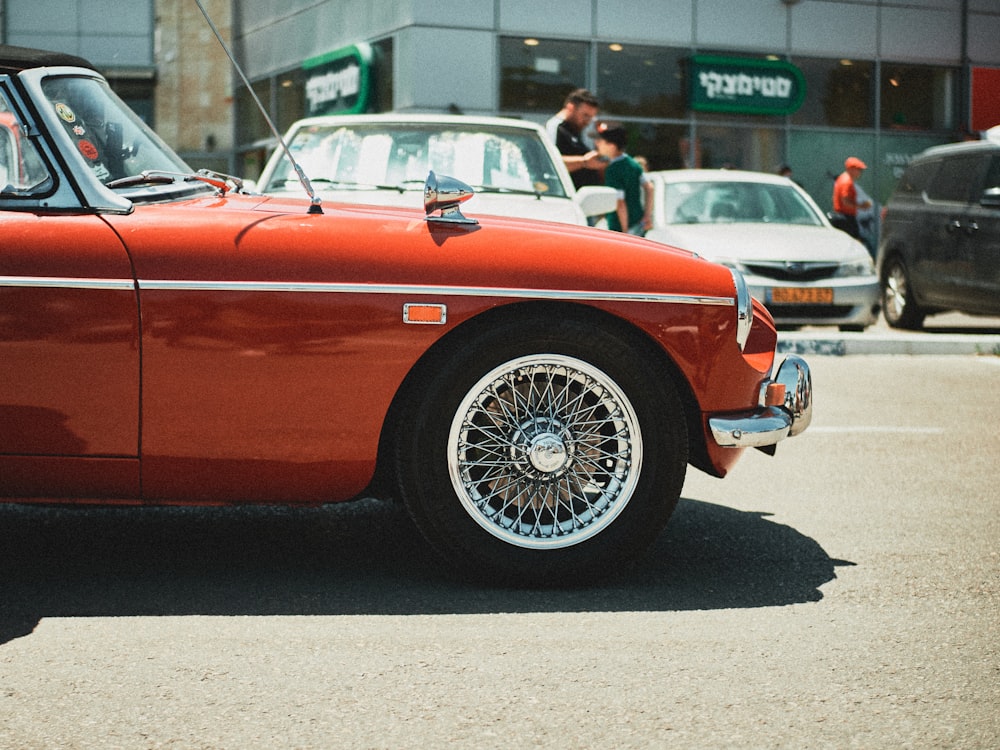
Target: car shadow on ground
x,y
359,558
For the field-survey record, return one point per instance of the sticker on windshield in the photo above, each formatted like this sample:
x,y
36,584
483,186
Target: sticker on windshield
x,y
88,149
65,113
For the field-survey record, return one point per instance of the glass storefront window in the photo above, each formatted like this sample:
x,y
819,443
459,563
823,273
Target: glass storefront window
x,y
641,81
536,74
918,97
839,93
664,146
291,99
250,124
726,147
382,90
252,131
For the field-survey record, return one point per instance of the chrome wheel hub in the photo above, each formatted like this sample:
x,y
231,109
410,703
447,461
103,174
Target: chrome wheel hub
x,y
540,448
548,453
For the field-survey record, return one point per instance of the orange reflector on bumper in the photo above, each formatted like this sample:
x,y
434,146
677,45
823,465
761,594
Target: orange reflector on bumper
x,y
425,314
775,395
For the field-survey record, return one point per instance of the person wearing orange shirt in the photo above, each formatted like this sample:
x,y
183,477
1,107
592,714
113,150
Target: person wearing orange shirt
x,y
845,197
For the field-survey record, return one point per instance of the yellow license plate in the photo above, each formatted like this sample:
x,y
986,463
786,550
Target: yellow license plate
x,y
790,295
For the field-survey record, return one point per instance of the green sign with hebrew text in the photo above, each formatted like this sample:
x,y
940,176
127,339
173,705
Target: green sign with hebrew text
x,y
744,85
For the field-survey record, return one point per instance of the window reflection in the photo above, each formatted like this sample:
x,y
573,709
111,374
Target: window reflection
x,y
22,171
536,74
641,81
918,97
838,93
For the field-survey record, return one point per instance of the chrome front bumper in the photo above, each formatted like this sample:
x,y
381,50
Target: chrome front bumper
x,y
771,422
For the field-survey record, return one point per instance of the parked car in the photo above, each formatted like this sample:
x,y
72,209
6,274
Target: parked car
x,y
940,246
533,392
383,160
770,230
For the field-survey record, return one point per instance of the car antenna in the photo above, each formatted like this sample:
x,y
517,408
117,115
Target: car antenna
x,y
314,200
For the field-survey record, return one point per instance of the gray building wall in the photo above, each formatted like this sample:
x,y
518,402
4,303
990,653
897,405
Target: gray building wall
x,y
112,34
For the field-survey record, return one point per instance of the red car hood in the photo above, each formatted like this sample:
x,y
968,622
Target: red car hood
x,y
244,238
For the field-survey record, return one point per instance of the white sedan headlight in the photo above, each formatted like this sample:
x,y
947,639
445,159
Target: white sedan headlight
x,y
860,267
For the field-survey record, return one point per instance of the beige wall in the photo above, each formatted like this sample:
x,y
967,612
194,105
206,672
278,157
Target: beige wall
x,y
194,81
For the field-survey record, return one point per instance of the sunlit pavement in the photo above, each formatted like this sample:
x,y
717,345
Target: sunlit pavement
x,y
946,333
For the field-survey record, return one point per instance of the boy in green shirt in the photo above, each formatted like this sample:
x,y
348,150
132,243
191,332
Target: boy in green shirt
x,y
624,174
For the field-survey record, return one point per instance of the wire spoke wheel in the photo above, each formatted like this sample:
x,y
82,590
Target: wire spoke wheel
x,y
544,451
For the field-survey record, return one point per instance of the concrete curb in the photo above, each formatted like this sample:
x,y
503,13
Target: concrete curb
x,y
842,344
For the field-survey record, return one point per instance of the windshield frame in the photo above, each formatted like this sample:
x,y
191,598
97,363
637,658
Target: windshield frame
x,y
92,190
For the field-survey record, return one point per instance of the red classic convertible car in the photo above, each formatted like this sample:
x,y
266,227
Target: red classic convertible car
x,y
533,392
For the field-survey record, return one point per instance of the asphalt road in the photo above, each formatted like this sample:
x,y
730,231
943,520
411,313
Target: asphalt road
x,y
842,594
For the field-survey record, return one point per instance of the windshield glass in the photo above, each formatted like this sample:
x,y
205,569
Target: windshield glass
x,y
372,156
113,141
736,202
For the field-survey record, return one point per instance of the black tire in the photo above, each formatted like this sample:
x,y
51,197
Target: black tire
x,y
898,306
543,453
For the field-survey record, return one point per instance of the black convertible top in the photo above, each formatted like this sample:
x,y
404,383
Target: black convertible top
x,y
15,59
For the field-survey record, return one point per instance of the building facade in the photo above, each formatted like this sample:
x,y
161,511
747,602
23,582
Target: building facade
x,y
751,84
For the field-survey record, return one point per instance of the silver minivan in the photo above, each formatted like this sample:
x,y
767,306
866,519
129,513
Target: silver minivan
x,y
940,241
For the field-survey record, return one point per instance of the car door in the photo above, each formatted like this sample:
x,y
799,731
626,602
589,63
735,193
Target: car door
x,y
941,267
69,357
981,243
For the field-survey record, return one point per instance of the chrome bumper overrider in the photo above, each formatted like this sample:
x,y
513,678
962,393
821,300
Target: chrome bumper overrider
x,y
769,424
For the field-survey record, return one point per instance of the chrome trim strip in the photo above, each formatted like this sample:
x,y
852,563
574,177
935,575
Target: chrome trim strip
x,y
439,291
61,282
744,309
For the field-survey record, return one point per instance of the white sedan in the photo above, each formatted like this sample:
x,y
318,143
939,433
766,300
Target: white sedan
x,y
384,159
803,269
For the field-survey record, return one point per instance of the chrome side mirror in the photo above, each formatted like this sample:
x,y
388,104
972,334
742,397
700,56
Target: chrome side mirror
x,y
446,194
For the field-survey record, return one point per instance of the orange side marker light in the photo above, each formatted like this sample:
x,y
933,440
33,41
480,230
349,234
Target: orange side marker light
x,y
424,314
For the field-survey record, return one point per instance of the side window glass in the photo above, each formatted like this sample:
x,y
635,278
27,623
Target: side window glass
x,y
993,175
22,171
955,179
989,196
916,177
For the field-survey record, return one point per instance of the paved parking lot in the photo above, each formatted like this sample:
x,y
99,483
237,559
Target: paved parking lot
x,y
841,594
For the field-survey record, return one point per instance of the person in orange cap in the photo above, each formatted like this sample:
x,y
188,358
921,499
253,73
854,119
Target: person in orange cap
x,y
845,197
